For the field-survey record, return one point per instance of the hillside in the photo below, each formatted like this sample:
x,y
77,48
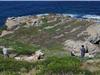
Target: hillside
x,y
55,34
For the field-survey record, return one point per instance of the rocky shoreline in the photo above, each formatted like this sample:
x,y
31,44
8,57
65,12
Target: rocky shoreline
x,y
87,34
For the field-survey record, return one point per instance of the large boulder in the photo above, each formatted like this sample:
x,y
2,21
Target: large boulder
x,y
11,23
94,33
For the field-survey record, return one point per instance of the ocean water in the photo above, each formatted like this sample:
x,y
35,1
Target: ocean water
x,y
84,9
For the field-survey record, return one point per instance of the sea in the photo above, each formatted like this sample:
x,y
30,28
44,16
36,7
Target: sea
x,y
78,9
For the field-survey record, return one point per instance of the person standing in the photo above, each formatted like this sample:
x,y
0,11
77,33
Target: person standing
x,y
5,52
82,51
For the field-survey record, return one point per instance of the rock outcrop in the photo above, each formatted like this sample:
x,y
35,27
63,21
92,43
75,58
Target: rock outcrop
x,y
94,33
75,46
5,32
13,22
56,28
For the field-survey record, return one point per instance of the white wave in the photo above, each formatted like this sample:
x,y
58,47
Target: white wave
x,y
71,15
39,15
91,17
46,14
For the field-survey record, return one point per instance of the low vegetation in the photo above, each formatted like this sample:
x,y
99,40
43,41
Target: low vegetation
x,y
19,47
10,66
50,66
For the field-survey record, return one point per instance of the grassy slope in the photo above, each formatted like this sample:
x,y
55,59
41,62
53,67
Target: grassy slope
x,y
40,37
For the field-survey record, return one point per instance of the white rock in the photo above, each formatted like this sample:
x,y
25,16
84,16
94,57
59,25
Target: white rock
x,y
17,58
75,29
34,57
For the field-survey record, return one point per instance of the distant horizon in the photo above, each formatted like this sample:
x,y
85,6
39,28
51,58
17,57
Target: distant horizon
x,y
49,0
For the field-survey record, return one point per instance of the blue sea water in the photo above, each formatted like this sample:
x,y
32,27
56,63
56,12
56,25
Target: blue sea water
x,y
22,8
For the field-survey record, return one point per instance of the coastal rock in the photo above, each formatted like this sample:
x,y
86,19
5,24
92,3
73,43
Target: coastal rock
x,y
14,22
94,33
5,32
11,23
27,21
75,46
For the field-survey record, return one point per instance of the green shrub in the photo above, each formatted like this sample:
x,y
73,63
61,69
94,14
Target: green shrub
x,y
11,65
9,73
60,66
44,20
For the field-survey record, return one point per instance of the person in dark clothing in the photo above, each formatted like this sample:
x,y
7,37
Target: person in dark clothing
x,y
72,54
82,51
86,49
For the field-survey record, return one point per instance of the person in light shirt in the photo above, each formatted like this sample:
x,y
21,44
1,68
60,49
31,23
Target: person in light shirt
x,y
5,52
